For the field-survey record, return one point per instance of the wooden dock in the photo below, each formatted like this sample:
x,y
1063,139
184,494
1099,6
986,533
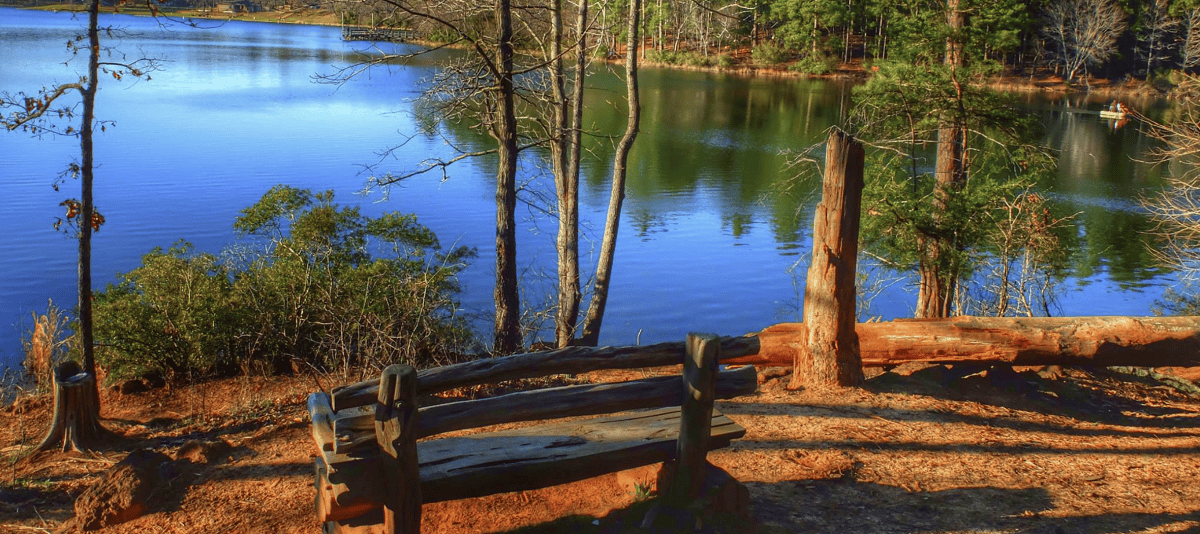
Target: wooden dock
x,y
357,33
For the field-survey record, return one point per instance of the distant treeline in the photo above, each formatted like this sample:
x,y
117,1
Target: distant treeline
x,y
1077,39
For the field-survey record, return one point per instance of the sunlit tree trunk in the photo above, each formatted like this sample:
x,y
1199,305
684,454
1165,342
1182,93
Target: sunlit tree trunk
x,y
508,302
595,316
938,276
565,149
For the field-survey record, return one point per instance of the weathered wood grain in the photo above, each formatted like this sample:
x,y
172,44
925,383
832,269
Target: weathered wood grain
x,y
321,412
691,449
396,416
557,453
575,401
829,353
523,459
1096,341
571,360
542,404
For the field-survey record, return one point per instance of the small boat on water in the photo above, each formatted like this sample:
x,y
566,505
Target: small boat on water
x,y
1116,111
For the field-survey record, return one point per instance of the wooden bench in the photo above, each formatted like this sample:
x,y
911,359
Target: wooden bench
x,y
372,475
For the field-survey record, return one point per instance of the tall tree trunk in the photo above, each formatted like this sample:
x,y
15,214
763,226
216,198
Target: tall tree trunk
x,y
87,210
76,424
508,302
608,245
566,148
939,277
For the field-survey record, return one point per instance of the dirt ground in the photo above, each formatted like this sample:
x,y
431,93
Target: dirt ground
x,y
922,449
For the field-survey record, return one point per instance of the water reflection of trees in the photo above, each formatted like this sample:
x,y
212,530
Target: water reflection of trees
x,y
716,139
726,143
1100,176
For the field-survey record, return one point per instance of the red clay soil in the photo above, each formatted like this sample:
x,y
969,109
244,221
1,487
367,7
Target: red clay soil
x,y
920,449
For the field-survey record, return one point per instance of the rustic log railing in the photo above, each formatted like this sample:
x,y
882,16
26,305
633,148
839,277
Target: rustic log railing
x,y
371,471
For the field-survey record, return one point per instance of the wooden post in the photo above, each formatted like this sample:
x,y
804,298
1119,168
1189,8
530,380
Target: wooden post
x,y
828,354
681,480
395,431
695,422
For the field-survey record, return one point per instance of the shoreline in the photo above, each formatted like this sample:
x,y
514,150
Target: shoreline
x,y
1038,83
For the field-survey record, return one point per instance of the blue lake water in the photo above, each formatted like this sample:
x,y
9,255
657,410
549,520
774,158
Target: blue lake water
x,y
707,244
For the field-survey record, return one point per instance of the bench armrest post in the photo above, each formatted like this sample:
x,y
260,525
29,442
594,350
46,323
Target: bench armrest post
x,y
699,379
395,431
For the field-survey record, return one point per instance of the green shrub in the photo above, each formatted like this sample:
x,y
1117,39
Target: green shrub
x,y
174,315
768,54
725,61
699,60
308,290
817,64
665,56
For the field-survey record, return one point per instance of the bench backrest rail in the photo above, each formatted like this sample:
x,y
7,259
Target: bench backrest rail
x,y
351,429
571,360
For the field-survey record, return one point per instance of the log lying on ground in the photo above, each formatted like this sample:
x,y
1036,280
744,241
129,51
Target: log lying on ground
x,y
1096,341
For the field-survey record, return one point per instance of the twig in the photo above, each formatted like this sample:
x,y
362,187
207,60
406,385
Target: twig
x,y
23,527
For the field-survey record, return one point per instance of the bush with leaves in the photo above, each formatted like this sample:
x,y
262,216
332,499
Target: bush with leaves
x,y
307,288
769,53
174,315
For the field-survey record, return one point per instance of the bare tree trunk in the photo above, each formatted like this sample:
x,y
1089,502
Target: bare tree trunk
x,y
1189,53
566,149
87,209
595,316
1098,341
828,355
508,302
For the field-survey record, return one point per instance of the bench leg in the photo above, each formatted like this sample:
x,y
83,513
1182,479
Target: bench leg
x,y
395,431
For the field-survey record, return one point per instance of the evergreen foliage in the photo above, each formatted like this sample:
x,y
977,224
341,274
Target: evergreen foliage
x,y
899,112
319,284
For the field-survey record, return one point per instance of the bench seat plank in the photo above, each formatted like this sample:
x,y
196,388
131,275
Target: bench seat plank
x,y
515,460
558,453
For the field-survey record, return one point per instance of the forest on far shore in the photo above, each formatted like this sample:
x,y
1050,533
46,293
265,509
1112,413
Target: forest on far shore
x,y
1074,39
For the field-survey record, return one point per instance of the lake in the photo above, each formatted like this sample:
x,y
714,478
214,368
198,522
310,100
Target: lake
x,y
707,242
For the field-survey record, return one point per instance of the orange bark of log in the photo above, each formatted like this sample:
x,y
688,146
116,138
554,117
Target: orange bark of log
x,y
1095,341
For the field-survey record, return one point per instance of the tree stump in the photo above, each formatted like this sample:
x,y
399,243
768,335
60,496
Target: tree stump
x,y
76,426
828,352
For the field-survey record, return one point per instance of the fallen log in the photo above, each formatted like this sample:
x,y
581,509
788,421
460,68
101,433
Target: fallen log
x,y
1094,341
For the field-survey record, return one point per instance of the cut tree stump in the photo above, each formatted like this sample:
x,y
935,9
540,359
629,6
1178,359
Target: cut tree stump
x,y
76,426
